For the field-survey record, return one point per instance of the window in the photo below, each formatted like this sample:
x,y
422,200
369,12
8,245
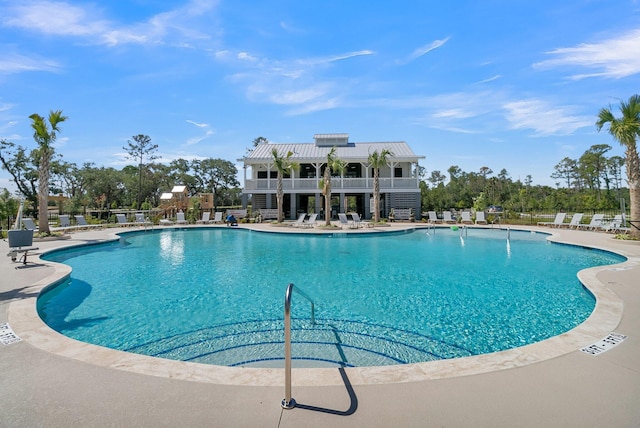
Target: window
x,y
397,172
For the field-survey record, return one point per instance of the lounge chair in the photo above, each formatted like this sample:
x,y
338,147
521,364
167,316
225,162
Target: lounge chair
x,y
614,225
344,221
575,221
300,221
447,218
20,241
141,221
595,223
557,222
64,222
311,222
29,224
205,218
217,217
466,217
480,217
122,220
433,217
180,218
81,222
166,221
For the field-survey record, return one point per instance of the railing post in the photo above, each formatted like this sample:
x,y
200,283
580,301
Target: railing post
x,y
288,402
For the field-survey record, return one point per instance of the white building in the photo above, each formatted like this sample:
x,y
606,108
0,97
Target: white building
x,y
353,191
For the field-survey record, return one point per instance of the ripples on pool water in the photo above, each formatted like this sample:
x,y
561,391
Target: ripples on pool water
x,y
174,293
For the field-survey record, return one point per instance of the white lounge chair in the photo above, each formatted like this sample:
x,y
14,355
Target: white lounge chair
x,y
557,222
81,222
480,217
595,223
180,218
141,221
344,221
217,217
300,221
311,222
575,221
447,218
614,225
122,220
433,217
205,218
466,217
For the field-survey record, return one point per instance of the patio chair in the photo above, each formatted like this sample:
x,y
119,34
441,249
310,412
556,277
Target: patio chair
x,y
614,225
64,222
557,222
82,222
141,221
595,223
311,222
466,217
205,218
480,217
180,218
433,217
300,221
575,221
356,220
20,241
447,218
344,221
29,224
217,217
122,220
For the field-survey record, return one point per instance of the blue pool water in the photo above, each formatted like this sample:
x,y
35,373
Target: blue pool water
x,y
215,295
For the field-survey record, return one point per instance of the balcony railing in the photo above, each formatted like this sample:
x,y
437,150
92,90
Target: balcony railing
x,y
337,183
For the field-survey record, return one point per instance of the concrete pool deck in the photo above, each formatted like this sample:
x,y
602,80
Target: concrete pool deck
x,y
50,380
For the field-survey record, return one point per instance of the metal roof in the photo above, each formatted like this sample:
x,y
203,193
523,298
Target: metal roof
x,y
310,152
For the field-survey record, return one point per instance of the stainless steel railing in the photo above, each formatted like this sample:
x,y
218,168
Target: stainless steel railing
x,y
288,402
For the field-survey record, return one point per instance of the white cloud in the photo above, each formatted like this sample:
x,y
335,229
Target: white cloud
x,y
613,58
421,51
543,118
199,125
15,63
490,79
195,140
63,19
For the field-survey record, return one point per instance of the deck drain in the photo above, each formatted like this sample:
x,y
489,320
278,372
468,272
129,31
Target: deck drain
x,y
612,340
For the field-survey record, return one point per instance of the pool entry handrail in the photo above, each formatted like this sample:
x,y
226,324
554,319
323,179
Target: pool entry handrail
x,y
288,402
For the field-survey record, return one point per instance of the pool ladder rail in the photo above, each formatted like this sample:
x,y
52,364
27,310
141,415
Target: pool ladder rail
x,y
288,402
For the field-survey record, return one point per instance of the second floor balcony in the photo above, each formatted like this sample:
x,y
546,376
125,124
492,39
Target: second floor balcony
x,y
337,184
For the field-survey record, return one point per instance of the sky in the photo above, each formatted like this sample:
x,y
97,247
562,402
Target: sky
x,y
504,84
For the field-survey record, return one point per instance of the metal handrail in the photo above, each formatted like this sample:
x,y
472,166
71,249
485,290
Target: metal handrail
x,y
288,402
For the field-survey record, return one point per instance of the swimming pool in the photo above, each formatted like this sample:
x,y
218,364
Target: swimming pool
x,y
215,295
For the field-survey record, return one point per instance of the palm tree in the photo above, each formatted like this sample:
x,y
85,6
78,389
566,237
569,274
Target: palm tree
x,y
625,130
283,165
377,161
45,135
333,164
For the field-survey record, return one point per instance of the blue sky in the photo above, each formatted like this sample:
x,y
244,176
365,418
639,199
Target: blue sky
x,y
504,84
